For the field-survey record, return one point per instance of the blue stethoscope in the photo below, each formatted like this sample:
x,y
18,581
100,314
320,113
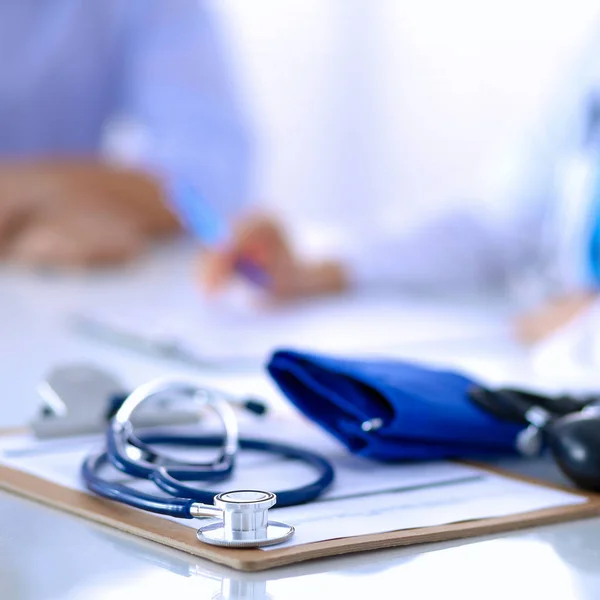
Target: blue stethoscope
x,y
243,514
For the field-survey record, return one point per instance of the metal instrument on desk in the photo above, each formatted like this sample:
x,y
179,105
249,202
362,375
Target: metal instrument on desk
x,y
243,520
80,399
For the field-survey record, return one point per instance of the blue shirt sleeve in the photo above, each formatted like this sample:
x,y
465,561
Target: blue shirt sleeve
x,y
178,89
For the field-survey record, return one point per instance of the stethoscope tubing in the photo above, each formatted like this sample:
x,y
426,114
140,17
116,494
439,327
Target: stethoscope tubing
x,y
119,492
170,477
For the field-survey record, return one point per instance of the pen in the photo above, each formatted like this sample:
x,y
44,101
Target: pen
x,y
145,343
205,223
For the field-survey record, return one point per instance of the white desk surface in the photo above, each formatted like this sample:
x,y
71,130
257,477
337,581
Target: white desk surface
x,y
46,554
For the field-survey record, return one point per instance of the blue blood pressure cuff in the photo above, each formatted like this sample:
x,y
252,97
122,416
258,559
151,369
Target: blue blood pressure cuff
x,y
392,409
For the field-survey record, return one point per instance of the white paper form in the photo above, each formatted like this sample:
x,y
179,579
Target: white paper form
x,y
366,497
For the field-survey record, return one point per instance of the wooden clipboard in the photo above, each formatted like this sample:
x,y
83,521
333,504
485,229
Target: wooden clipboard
x,y
181,537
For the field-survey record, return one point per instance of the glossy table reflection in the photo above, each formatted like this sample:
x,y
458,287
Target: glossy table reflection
x,y
45,554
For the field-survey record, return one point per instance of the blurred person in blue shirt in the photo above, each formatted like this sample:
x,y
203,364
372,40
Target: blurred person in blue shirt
x,y
71,68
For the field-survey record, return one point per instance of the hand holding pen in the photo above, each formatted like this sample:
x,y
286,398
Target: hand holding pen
x,y
256,248
259,251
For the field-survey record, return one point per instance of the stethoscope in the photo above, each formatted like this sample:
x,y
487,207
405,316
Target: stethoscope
x,y
570,427
243,514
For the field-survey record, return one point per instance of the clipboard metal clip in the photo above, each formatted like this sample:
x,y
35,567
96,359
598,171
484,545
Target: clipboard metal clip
x,y
80,399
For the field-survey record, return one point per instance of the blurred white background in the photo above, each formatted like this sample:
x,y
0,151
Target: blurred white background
x,y
381,111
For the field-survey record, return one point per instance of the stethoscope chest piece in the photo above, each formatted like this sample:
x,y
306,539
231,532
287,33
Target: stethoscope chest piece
x,y
245,521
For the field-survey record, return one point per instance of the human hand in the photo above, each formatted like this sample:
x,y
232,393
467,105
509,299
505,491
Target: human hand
x,y
73,241
77,214
262,242
534,326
